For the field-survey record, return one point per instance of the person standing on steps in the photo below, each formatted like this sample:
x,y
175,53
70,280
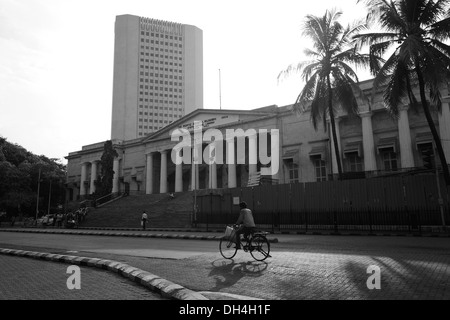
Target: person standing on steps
x,y
144,220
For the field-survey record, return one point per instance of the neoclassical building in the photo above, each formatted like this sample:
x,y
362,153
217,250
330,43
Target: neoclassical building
x,y
371,143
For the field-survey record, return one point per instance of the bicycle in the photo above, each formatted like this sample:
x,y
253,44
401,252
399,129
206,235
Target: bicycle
x,y
256,243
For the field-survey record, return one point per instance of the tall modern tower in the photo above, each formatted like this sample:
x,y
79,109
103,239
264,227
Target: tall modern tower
x,y
158,75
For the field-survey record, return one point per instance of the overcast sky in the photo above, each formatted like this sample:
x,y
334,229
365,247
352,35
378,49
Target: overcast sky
x,y
56,60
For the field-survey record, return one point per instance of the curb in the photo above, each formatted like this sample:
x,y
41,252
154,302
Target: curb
x,y
320,233
156,284
135,235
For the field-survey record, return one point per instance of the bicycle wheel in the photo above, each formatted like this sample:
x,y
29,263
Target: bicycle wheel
x,y
227,249
260,248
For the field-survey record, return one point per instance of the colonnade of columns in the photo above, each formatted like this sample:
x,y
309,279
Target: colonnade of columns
x,y
84,190
444,127
405,141
196,158
369,148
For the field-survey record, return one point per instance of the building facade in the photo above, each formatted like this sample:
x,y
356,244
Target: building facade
x,y
371,143
158,75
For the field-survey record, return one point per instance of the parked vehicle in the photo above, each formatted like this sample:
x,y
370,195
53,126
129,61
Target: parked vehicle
x,y
47,220
71,224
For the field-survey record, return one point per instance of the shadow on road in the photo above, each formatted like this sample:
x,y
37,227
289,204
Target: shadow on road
x,y
228,272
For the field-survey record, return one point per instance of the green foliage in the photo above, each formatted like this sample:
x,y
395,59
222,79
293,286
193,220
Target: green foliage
x,y
19,172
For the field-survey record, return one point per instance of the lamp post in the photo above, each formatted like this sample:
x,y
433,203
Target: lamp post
x,y
49,197
37,200
194,186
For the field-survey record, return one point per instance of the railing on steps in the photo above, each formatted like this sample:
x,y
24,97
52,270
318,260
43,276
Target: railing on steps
x,y
98,203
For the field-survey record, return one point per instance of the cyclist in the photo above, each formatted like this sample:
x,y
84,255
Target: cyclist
x,y
246,224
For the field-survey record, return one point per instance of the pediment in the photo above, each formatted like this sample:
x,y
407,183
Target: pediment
x,y
208,119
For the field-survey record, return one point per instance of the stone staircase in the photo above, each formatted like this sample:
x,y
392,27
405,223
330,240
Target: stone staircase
x,y
162,211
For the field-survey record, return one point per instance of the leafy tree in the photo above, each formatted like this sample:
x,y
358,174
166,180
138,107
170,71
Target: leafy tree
x,y
19,171
107,168
330,81
415,32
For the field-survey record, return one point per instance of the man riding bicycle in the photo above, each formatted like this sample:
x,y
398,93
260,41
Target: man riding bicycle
x,y
245,222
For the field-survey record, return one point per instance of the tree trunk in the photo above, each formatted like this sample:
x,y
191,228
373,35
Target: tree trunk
x,y
333,129
430,121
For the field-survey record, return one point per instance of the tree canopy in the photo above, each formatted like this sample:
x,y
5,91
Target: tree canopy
x,y
330,81
413,35
19,172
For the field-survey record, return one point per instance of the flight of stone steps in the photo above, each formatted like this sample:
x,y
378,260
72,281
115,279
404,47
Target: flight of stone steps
x,y
162,211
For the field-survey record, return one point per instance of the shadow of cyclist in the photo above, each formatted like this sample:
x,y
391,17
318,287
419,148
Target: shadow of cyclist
x,y
228,272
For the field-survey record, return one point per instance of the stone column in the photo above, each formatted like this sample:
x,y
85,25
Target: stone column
x,y
370,160
116,165
231,162
196,157
212,167
93,176
253,154
444,127
179,175
275,154
406,153
333,152
149,174
83,179
163,180
213,175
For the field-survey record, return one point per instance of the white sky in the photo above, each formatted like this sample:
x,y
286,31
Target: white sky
x,y
56,60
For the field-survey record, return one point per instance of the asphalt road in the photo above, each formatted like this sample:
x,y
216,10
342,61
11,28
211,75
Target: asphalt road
x,y
138,247
302,267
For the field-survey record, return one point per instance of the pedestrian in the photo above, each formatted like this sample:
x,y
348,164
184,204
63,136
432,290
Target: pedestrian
x,y
59,218
144,220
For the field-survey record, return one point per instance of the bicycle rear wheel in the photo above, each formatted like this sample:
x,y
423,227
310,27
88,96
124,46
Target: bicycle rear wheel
x,y
227,249
260,248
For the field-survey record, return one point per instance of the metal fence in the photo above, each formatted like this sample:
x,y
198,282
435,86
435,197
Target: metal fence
x,y
408,203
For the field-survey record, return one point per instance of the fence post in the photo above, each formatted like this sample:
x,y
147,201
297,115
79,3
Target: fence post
x,y
418,222
306,220
336,229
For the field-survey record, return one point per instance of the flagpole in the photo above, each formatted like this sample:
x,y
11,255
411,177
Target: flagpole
x,y
220,90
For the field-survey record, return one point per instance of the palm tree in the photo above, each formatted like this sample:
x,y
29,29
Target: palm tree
x,y
330,82
415,31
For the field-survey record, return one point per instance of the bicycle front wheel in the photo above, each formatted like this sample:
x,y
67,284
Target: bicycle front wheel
x,y
227,249
260,248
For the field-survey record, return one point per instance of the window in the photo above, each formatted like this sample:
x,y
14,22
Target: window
x,y
320,168
292,170
427,154
353,161
389,158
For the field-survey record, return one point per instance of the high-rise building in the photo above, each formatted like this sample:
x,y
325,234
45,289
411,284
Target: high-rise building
x,y
158,75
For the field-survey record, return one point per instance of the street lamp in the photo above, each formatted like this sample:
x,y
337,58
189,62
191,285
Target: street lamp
x,y
194,186
37,200
49,197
